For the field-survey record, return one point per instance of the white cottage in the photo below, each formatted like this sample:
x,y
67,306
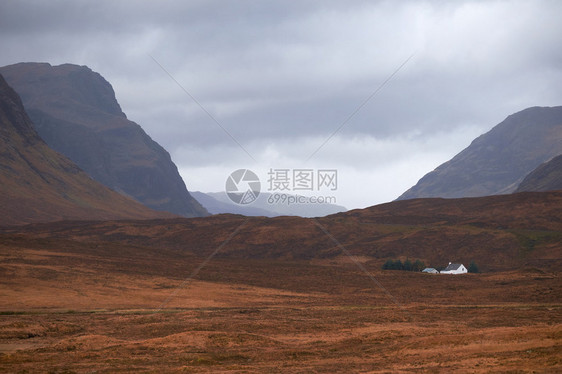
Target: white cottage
x,y
430,270
454,269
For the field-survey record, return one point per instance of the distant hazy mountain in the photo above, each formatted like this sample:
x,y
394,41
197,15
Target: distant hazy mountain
x,y
220,203
38,184
75,111
215,206
547,177
497,162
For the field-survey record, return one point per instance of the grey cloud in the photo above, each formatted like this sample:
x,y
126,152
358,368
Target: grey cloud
x,y
280,72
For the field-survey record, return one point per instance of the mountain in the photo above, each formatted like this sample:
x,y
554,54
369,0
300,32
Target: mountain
x,y
75,111
267,205
496,162
38,184
547,177
216,206
500,232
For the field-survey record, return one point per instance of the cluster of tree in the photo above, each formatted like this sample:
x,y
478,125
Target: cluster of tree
x,y
473,268
407,265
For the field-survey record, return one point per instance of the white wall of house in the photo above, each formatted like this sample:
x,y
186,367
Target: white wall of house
x,y
460,270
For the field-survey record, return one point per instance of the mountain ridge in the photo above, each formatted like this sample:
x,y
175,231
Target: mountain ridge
x,y
75,111
497,161
39,184
501,232
262,207
216,206
546,177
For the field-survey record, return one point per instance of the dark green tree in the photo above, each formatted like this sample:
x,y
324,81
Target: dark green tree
x,y
407,265
473,268
388,265
418,265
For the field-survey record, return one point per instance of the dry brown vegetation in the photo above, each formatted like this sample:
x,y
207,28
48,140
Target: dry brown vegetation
x,y
499,233
92,306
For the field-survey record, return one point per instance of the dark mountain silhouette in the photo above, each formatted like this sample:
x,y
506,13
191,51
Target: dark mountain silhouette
x,y
75,111
497,162
38,184
547,177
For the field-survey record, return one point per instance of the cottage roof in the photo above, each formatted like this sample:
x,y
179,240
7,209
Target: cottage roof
x,y
452,267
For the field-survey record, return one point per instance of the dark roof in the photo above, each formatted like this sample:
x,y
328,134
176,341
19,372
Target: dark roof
x,y
452,267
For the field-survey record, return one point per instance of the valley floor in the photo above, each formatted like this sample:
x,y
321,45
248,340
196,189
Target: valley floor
x,y
69,307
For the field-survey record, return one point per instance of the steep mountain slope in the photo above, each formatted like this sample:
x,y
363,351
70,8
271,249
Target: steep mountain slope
x,y
547,177
38,184
498,232
497,161
75,111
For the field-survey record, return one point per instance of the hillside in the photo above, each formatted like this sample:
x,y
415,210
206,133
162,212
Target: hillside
x,y
498,232
75,111
547,177
37,184
67,303
496,162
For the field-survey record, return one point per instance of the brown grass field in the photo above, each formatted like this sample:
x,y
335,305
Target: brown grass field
x,y
75,307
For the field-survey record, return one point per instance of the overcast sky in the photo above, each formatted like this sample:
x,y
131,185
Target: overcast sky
x,y
281,77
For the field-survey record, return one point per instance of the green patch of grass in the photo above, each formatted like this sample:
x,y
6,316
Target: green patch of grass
x,y
530,239
12,313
